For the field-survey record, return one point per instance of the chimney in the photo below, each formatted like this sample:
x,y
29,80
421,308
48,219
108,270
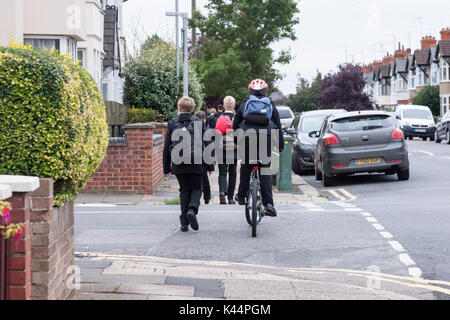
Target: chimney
x,y
445,34
428,42
376,64
400,53
388,59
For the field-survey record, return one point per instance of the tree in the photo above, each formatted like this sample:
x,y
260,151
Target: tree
x,y
430,97
307,94
345,90
239,35
151,82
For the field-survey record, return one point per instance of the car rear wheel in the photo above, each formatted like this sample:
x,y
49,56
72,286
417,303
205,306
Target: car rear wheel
x,y
436,137
403,175
295,165
318,173
424,139
326,180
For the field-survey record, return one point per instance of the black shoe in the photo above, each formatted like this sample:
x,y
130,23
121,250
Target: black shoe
x,y
207,200
184,228
270,210
231,201
240,201
222,199
192,219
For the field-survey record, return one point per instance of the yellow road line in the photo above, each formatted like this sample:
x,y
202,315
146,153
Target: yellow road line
x,y
348,194
337,195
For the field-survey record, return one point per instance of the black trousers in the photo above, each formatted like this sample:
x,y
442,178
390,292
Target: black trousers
x,y
206,187
227,186
266,184
190,194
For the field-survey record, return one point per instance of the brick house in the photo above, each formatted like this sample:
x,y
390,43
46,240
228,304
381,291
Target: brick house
x,y
443,56
400,73
399,78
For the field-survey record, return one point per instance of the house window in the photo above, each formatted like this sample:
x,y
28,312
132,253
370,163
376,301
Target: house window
x,y
81,57
43,44
445,104
445,72
412,80
385,89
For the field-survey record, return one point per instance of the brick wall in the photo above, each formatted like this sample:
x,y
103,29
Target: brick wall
x,y
52,245
133,166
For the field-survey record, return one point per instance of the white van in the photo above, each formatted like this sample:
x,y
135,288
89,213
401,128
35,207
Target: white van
x,y
286,116
416,121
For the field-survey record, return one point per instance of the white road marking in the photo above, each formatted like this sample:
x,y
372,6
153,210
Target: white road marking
x,y
371,219
406,259
315,209
377,226
353,209
99,205
397,246
426,152
366,214
415,272
386,235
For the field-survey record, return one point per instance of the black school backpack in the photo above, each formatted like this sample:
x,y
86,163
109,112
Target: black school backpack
x,y
187,124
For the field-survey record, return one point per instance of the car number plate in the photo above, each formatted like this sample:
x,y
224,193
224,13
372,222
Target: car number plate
x,y
361,162
421,130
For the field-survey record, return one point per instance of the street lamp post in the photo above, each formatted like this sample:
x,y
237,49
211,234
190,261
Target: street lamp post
x,y
185,49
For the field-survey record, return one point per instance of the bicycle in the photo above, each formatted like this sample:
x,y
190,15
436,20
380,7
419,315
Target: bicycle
x,y
254,211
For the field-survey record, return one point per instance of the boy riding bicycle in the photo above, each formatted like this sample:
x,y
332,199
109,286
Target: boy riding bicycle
x,y
258,113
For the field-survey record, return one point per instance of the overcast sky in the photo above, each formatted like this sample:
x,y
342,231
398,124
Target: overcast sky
x,y
330,31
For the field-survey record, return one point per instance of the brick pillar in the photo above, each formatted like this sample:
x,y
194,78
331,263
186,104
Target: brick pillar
x,y
20,251
19,264
140,145
52,245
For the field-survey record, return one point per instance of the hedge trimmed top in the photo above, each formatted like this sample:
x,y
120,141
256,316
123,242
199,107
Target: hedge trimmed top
x,y
52,120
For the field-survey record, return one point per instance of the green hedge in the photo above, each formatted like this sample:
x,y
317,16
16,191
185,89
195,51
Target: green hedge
x,y
52,118
136,115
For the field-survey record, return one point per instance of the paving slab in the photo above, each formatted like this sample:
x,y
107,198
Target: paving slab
x,y
167,290
110,296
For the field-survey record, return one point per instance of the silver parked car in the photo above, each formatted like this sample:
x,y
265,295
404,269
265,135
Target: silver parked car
x,y
357,142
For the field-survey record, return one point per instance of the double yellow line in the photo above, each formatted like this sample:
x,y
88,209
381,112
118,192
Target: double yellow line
x,y
342,194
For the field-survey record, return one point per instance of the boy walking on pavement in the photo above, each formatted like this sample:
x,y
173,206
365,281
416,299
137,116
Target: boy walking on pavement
x,y
228,165
206,187
189,174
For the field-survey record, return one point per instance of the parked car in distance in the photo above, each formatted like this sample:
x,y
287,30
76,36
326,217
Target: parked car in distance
x,y
286,116
416,121
358,142
443,129
304,145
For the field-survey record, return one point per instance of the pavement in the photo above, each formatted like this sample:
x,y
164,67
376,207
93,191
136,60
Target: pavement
x,y
368,237
168,192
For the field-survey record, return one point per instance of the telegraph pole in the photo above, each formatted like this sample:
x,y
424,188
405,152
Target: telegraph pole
x,y
185,55
194,33
177,27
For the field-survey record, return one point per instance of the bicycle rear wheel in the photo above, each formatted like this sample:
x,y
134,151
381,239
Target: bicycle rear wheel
x,y
254,202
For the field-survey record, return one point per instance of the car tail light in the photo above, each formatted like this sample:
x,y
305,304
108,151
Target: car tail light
x,y
338,166
331,139
397,135
395,161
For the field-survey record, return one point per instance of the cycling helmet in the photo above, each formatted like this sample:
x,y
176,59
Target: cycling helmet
x,y
258,87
